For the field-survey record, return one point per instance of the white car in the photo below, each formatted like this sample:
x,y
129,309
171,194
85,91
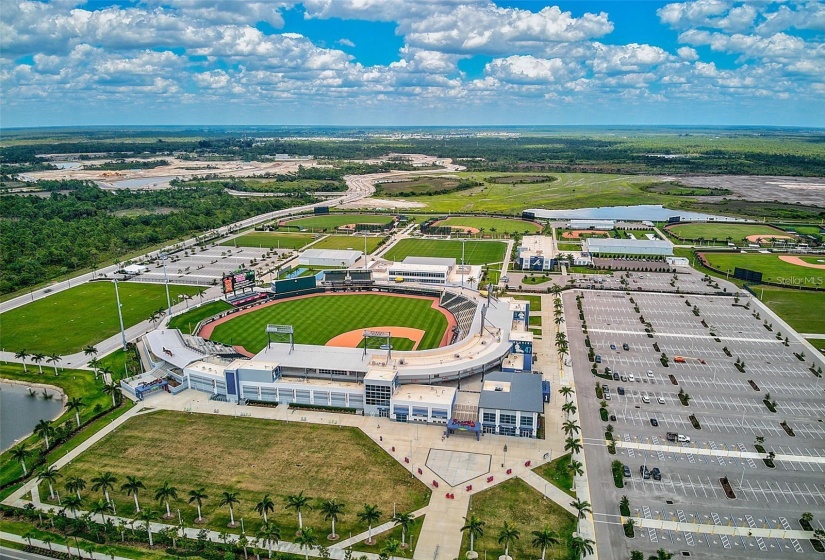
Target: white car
x,y
630,377
683,439
660,400
645,399
649,373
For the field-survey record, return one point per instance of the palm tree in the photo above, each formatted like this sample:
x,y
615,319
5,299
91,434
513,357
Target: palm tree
x,y
264,506
506,536
198,496
94,363
566,392
404,520
583,507
147,516
20,453
230,499
576,468
90,351
369,515
44,429
73,504
544,538
581,547
104,482
331,509
75,403
306,539
166,493
269,532
22,355
38,359
54,359
573,445
570,427
391,548
661,554
111,389
47,540
131,487
75,484
569,407
50,476
299,502
475,527
100,507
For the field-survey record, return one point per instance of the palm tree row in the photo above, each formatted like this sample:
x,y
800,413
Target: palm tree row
x,y
38,358
542,539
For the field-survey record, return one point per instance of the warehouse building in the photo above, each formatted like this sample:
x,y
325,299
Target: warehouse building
x,y
598,225
330,257
627,247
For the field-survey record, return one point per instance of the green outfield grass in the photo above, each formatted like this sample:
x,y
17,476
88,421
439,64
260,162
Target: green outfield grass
x,y
526,510
817,343
475,252
270,240
319,319
801,309
493,226
355,242
772,269
68,321
187,321
252,457
332,221
737,232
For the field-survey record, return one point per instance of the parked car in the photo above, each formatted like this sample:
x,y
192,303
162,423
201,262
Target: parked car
x,y
626,470
612,417
660,400
657,474
598,359
644,472
612,346
671,436
649,373
615,376
625,346
683,439
654,422
621,390
605,387
645,398
623,377
607,396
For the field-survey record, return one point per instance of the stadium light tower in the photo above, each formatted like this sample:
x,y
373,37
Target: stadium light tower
x,y
120,316
163,257
462,264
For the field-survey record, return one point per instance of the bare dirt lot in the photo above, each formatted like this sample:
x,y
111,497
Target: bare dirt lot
x,y
790,190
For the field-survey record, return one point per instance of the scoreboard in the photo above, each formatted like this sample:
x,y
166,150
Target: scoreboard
x,y
238,280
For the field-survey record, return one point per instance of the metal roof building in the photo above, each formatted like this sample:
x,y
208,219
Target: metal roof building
x,y
510,403
635,247
329,257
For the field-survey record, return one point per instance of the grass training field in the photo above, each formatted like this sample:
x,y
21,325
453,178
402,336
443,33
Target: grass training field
x,y
475,252
737,232
526,510
355,242
68,321
319,319
253,457
187,321
801,309
332,221
772,269
270,240
493,225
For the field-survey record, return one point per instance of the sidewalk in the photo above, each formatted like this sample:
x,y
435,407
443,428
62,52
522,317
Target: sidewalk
x,y
723,529
11,537
717,452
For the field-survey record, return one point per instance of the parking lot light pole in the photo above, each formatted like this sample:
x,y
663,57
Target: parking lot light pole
x,y
163,256
120,316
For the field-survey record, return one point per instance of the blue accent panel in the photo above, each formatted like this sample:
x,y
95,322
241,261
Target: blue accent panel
x,y
231,387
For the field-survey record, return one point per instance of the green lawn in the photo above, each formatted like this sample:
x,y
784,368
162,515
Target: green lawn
x,y
355,242
252,457
570,190
75,383
475,252
721,232
570,246
187,321
535,301
556,473
817,343
271,240
801,309
493,225
772,269
68,321
332,221
318,319
526,510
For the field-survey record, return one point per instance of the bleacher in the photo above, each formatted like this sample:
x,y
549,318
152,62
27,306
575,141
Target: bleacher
x,y
209,347
349,277
463,309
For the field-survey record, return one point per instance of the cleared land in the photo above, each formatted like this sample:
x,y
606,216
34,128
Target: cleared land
x,y
526,510
801,309
68,321
270,240
568,190
720,232
319,319
422,185
348,242
253,457
475,252
187,321
772,268
332,221
493,225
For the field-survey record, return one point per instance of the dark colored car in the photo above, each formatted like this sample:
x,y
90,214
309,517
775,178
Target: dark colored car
x,y
621,390
654,422
626,471
657,474
625,346
612,417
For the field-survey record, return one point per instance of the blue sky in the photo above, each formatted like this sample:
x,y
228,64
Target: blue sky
x,y
412,62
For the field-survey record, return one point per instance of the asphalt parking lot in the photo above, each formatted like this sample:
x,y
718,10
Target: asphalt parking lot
x,y
703,337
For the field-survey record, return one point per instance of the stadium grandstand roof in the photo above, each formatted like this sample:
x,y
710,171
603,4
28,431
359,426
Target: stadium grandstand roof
x,y
436,261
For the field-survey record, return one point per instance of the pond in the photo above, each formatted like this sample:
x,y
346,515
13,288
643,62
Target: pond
x,y
20,411
650,212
